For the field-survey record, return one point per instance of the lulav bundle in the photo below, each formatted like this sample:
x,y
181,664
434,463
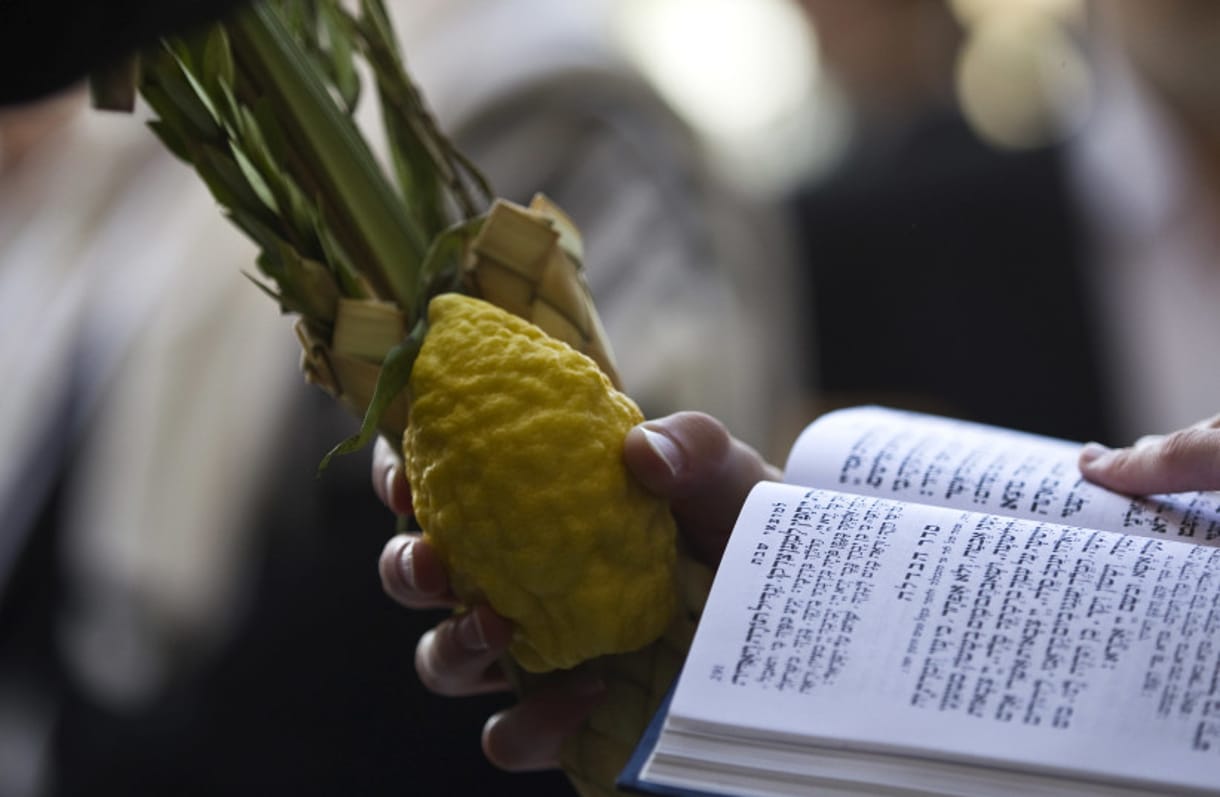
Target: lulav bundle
x,y
261,105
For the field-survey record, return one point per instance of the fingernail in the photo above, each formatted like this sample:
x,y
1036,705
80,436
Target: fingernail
x,y
1092,452
391,475
665,448
470,633
406,564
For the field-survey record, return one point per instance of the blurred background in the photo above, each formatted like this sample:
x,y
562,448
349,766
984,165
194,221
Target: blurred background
x,y
1003,210
771,84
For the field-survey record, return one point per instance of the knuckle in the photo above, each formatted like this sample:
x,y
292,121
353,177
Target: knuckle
x,y
707,429
705,439
1180,445
1148,440
702,423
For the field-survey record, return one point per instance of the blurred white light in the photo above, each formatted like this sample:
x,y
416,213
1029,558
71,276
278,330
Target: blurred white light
x,y
746,74
972,12
732,66
1022,81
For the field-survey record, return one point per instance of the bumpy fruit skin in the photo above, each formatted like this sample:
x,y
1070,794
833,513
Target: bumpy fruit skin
x,y
514,454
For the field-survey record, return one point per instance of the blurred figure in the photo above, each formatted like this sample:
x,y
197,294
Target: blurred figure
x,y
894,61
933,258
126,345
188,610
1065,289
1146,173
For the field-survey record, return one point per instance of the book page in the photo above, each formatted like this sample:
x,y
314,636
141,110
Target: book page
x,y
867,624
945,462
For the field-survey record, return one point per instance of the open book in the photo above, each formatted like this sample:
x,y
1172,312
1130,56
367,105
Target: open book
x,y
935,607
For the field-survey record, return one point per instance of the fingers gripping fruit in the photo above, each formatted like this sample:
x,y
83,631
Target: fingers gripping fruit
x,y
514,453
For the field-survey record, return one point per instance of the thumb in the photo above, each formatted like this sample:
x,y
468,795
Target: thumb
x,y
1184,460
706,473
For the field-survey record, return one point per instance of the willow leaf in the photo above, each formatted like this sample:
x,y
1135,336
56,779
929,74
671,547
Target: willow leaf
x,y
169,93
202,94
395,374
442,267
309,285
341,262
217,60
171,137
270,291
341,55
255,179
227,182
263,234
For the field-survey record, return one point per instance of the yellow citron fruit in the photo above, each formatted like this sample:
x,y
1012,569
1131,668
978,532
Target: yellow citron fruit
x,y
513,450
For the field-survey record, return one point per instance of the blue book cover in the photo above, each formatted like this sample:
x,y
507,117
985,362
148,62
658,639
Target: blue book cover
x,y
630,778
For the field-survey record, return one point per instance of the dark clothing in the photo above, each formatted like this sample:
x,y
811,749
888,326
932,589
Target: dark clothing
x,y
949,276
316,692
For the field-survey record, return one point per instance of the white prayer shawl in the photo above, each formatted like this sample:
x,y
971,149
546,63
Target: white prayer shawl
x,y
115,261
